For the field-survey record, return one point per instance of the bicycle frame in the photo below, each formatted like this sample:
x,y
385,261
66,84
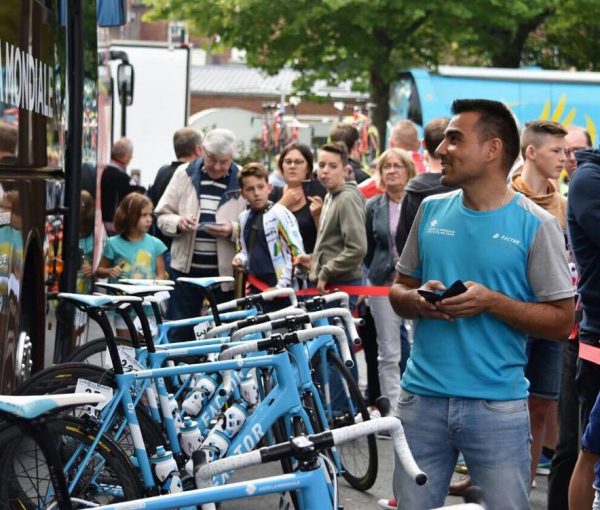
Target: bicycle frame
x,y
311,485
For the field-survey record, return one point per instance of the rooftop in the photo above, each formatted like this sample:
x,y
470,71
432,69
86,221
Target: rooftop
x,y
238,79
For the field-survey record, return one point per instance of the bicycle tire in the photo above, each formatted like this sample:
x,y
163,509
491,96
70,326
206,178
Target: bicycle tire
x,y
359,457
24,478
94,352
63,379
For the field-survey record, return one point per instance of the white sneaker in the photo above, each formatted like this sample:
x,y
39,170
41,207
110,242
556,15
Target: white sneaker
x,y
388,503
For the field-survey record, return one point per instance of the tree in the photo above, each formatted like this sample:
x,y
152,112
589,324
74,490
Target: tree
x,y
370,41
569,38
367,41
499,30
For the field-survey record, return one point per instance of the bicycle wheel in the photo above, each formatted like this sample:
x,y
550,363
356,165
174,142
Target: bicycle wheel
x,y
25,482
63,379
94,352
344,405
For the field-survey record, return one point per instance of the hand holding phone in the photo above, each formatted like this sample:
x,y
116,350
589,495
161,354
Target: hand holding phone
x,y
457,288
313,188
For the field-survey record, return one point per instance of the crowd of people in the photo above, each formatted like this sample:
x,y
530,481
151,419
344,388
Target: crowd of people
x,y
479,230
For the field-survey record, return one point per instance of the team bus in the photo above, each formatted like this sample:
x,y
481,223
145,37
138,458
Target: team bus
x,y
53,97
568,97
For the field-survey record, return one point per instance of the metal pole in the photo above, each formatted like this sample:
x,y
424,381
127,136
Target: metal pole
x,y
73,157
123,99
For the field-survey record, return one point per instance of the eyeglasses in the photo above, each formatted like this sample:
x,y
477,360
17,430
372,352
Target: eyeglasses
x,y
392,166
571,152
296,162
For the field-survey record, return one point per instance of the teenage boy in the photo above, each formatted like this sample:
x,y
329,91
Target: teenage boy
x,y
543,147
341,237
268,238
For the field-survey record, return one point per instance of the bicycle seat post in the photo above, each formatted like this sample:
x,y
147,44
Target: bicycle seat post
x,y
133,333
212,302
99,315
139,310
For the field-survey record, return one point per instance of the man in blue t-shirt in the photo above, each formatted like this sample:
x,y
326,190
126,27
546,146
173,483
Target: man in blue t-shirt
x,y
464,387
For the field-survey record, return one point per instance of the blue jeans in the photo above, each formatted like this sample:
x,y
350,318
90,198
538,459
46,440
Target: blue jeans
x,y
492,435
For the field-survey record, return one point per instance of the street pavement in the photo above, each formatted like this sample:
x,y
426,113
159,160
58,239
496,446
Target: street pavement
x,y
355,500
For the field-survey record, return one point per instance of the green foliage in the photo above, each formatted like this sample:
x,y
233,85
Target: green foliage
x,y
370,41
569,39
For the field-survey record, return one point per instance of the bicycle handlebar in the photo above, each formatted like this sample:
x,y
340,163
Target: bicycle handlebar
x,y
288,292
321,441
328,298
267,295
345,315
286,322
279,341
276,321
252,321
297,336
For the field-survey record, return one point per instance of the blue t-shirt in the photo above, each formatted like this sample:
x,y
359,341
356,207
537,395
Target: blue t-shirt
x,y
137,259
518,250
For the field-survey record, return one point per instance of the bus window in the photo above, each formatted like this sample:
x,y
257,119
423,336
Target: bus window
x,y
404,101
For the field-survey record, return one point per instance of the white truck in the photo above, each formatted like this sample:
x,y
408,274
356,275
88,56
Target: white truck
x,y
161,99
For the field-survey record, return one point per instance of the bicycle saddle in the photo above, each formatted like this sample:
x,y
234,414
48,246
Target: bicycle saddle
x,y
205,282
32,406
145,281
96,300
134,290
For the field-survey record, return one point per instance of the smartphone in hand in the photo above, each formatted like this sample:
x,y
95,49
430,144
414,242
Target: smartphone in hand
x,y
312,188
428,295
457,288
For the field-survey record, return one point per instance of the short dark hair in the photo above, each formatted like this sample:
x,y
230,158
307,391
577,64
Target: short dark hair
x,y
535,130
253,169
129,211
345,133
495,120
302,149
433,134
185,141
337,148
